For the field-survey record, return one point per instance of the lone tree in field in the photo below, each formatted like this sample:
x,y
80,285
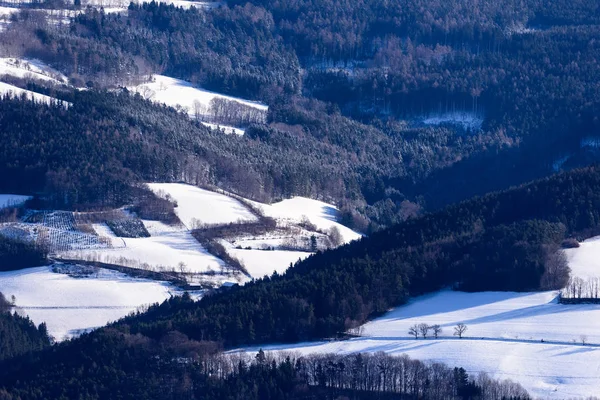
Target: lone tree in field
x,y
459,330
436,330
414,331
424,330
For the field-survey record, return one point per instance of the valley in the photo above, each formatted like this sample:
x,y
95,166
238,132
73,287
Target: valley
x,y
552,349
299,199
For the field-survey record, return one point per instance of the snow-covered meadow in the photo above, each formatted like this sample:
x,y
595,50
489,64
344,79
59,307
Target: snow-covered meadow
x,y
195,205
322,215
34,69
201,206
585,259
167,248
552,349
194,100
259,263
70,305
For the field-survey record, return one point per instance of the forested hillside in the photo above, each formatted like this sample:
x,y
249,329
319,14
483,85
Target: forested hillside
x,y
503,241
127,140
406,105
16,254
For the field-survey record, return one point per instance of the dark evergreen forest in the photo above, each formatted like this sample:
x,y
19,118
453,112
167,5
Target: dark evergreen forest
x,y
18,335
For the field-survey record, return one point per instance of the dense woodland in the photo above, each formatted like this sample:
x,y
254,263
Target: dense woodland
x,y
348,85
128,140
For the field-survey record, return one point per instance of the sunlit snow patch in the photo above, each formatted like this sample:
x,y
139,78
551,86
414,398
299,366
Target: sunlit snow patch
x,y
466,120
72,305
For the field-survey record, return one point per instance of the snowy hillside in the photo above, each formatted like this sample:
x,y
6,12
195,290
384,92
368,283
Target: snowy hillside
x,y
195,205
552,349
298,227
14,91
195,101
167,249
271,251
585,260
322,215
259,263
34,69
71,305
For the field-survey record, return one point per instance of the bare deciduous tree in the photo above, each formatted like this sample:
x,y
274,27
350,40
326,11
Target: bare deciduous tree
x,y
335,237
424,330
146,93
414,331
436,330
557,269
459,330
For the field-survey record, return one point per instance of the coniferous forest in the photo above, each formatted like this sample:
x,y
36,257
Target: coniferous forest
x,y
348,87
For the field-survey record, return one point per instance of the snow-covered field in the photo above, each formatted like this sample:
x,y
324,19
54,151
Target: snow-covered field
x,y
546,371
225,128
466,120
585,260
30,69
525,337
207,207
322,215
71,305
259,263
176,92
63,301
166,249
195,205
10,200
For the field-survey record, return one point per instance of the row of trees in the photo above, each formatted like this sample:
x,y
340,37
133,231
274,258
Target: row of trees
x,y
423,330
229,112
581,290
174,367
